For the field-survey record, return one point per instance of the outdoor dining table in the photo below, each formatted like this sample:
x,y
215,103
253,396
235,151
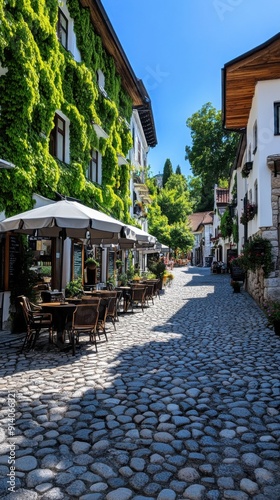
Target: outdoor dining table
x,y
62,314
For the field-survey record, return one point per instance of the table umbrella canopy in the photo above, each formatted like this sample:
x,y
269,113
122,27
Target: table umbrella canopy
x,y
68,219
141,238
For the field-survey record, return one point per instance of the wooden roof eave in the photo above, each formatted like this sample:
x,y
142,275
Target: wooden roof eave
x,y
239,79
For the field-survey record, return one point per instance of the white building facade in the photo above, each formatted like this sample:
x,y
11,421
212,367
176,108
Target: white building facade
x,y
255,113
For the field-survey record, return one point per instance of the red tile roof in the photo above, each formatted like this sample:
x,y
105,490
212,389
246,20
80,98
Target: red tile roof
x,y
222,196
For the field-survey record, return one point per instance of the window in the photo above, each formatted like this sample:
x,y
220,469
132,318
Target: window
x,y
250,196
62,29
92,171
277,118
101,82
256,193
255,137
250,153
57,138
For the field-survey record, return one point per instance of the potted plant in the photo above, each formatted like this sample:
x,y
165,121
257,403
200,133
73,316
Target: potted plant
x,y
111,281
91,263
136,278
170,278
236,285
74,288
158,268
165,277
123,279
272,311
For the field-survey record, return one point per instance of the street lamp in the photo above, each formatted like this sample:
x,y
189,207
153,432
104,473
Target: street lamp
x,y
6,164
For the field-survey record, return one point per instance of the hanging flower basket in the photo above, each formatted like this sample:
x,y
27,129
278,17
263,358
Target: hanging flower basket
x,y
249,213
91,263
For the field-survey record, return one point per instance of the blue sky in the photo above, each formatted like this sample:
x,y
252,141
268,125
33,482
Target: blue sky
x,y
178,48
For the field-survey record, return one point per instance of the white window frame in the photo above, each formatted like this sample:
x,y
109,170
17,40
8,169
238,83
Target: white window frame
x,y
66,121
98,169
71,39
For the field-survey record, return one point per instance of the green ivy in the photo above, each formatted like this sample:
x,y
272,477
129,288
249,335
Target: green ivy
x,y
43,77
226,224
235,231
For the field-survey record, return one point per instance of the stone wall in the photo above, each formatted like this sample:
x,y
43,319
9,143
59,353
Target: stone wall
x,y
257,285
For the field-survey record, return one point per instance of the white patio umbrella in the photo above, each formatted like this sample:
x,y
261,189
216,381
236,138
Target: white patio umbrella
x,y
68,219
71,219
142,239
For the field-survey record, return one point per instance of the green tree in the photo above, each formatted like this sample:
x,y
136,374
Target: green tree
x,y
212,153
194,188
158,223
174,205
178,170
181,237
167,171
178,182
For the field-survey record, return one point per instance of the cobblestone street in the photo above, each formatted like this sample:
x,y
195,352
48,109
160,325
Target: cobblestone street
x,y
182,402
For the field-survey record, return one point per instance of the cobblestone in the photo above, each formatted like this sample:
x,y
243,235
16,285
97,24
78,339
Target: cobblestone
x,y
181,402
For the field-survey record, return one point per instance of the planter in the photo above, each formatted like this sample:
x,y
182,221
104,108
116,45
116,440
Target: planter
x,y
92,267
276,326
237,274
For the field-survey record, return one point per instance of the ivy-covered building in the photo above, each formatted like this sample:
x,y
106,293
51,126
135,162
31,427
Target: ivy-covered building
x,y
74,116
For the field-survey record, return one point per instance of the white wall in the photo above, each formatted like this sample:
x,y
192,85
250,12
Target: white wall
x,y
266,94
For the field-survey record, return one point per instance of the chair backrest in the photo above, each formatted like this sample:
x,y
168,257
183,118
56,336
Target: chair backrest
x,y
90,300
26,313
112,305
103,309
119,298
25,302
156,285
150,289
138,293
85,315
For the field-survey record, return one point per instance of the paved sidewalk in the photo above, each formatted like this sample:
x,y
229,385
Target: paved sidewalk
x,y
182,402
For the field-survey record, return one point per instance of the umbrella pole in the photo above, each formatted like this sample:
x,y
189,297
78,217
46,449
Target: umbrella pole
x,y
62,235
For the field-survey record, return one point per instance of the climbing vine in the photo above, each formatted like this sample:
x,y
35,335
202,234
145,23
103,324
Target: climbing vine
x,y
39,77
226,224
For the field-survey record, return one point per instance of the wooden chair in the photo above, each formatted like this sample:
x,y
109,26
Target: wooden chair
x,y
137,297
35,321
156,283
85,319
150,292
102,317
112,308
